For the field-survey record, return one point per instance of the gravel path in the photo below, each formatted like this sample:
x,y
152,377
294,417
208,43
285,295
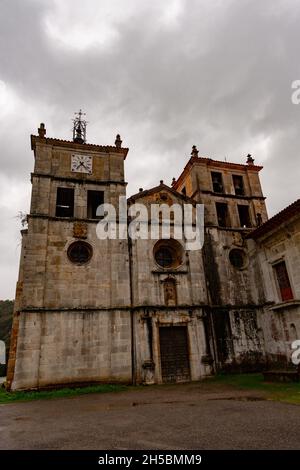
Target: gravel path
x,y
191,416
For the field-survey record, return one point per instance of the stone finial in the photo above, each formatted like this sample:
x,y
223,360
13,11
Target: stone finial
x,y
42,130
161,182
194,151
250,160
173,181
118,141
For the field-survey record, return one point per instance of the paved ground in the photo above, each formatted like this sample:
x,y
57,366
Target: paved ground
x,y
192,416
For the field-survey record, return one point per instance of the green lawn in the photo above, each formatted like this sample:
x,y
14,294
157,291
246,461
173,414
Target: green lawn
x,y
9,397
286,392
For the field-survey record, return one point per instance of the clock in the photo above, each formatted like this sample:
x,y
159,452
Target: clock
x,y
81,163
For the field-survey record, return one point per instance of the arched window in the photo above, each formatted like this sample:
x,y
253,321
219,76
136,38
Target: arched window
x,y
293,335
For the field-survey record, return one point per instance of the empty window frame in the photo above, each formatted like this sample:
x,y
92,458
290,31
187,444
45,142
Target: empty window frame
x,y
222,214
217,182
94,200
244,216
283,281
64,202
238,184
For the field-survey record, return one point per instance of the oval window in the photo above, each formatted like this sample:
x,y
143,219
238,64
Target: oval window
x,y
80,252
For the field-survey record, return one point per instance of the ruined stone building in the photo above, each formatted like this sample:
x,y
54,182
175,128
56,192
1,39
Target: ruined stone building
x,y
143,310
276,245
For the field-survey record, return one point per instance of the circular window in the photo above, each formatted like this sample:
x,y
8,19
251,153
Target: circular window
x,y
80,252
168,253
164,257
237,258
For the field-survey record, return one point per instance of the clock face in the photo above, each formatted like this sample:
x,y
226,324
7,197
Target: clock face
x,y
82,164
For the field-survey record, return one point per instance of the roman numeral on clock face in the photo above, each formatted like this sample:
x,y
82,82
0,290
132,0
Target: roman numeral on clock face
x,y
81,164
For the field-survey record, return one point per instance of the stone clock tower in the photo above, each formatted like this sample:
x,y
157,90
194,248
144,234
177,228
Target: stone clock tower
x,y
72,311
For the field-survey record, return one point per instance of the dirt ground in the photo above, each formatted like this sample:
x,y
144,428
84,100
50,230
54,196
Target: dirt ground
x,y
188,416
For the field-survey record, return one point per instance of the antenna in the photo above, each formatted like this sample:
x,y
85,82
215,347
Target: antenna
x,y
79,128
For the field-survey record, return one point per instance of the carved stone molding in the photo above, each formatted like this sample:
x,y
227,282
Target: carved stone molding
x,y
80,230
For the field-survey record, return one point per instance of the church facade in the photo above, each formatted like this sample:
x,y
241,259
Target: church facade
x,y
138,310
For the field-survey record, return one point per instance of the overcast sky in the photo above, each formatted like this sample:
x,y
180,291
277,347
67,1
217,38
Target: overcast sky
x,y
164,74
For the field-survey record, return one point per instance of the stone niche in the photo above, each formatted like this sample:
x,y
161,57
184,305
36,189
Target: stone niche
x,y
170,291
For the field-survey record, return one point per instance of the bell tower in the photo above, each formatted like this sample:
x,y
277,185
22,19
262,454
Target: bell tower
x,y
72,310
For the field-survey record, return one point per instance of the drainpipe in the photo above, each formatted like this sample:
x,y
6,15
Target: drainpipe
x,y
133,356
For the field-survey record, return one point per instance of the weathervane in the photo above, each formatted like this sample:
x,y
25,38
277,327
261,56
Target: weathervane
x,y
79,128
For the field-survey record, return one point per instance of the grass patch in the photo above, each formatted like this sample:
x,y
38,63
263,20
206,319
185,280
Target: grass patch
x,y
285,392
10,397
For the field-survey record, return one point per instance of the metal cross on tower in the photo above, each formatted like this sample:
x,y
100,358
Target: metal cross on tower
x,y
79,128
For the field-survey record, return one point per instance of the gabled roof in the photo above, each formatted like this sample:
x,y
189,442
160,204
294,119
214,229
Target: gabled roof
x,y
215,163
278,219
77,146
157,189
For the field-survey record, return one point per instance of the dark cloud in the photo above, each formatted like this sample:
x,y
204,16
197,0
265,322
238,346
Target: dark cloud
x,y
166,75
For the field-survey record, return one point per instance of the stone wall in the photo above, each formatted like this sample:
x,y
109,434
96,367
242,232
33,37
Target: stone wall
x,y
229,285
51,280
280,328
281,319
72,323
198,184
72,347
54,158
